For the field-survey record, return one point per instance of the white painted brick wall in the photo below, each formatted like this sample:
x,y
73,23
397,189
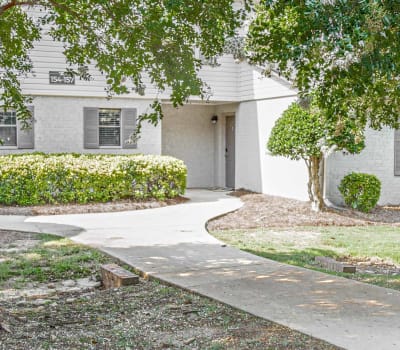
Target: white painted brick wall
x,y
377,158
248,148
256,169
188,134
59,125
281,176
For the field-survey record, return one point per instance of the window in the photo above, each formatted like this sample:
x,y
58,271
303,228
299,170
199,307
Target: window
x,y
8,128
109,127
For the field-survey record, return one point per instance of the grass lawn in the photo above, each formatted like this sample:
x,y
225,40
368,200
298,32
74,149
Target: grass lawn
x,y
49,258
299,246
148,315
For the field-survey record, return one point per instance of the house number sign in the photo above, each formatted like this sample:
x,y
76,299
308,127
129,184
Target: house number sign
x,y
61,78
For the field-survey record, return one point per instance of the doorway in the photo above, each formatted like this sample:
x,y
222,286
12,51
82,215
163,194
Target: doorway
x,y
230,152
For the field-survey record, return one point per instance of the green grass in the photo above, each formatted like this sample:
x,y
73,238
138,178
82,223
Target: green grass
x,y
52,259
300,246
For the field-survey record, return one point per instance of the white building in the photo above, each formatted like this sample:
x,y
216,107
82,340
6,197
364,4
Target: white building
x,y
222,142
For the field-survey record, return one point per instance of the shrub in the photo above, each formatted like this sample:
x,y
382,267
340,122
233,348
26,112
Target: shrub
x,y
360,191
307,133
38,178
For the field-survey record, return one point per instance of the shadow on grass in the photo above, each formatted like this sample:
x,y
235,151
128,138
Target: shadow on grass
x,y
306,258
303,258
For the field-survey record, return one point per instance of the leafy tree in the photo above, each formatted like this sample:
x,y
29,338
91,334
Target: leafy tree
x,y
124,39
346,51
306,133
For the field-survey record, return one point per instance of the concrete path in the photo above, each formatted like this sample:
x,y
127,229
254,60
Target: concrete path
x,y
172,244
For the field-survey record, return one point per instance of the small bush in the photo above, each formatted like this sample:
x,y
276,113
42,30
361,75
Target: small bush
x,y
39,178
360,191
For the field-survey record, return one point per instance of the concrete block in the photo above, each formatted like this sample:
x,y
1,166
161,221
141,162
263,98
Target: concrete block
x,y
333,265
114,276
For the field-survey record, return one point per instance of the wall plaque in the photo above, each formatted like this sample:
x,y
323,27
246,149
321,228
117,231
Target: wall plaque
x,y
61,78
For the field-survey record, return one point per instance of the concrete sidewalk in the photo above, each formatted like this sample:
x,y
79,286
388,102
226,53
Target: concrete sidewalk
x,y
171,244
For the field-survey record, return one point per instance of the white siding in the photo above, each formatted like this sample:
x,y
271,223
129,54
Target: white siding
x,y
377,158
254,85
223,80
228,82
47,56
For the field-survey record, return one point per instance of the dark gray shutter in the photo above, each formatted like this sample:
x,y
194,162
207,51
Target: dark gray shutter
x,y
26,137
397,152
128,126
90,127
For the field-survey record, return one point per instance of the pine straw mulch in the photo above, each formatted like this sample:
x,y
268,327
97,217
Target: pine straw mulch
x,y
75,208
260,210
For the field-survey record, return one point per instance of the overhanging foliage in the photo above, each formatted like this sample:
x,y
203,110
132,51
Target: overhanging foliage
x,y
124,39
346,51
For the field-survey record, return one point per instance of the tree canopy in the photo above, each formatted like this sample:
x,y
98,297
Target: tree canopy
x,y
346,52
124,39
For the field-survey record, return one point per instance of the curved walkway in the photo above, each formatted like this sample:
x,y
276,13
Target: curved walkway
x,y
171,244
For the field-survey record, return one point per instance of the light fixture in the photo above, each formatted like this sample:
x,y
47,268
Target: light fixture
x,y
214,119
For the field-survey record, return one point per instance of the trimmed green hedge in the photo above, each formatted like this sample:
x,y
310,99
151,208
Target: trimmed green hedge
x,y
360,191
38,178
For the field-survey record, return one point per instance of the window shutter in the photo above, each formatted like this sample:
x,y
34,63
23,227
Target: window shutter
x,y
128,126
26,137
397,152
90,128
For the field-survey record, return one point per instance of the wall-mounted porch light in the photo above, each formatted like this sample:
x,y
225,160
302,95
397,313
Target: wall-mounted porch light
x,y
214,119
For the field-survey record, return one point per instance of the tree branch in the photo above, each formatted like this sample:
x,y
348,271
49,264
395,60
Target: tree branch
x,y
15,3
64,8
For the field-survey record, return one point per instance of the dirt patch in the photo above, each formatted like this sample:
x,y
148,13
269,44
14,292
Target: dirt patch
x,y
149,315
12,238
261,210
145,316
121,205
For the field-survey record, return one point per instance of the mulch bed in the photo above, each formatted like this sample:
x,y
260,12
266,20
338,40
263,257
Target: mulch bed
x,y
260,210
59,209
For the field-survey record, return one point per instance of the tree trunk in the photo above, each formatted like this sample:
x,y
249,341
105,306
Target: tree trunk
x,y
309,183
314,183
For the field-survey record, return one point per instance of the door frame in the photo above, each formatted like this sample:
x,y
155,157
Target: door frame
x,y
230,169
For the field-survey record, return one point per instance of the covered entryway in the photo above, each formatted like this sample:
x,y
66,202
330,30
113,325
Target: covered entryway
x,y
203,136
188,134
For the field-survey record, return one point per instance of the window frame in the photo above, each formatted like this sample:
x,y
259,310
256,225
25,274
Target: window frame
x,y
91,127
2,146
110,127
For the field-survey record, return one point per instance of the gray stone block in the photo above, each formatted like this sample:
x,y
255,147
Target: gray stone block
x,y
333,265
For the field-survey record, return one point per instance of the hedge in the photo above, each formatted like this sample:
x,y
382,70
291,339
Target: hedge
x,y
360,191
38,178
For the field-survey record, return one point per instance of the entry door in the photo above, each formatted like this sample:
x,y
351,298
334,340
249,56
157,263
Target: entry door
x,y
230,152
